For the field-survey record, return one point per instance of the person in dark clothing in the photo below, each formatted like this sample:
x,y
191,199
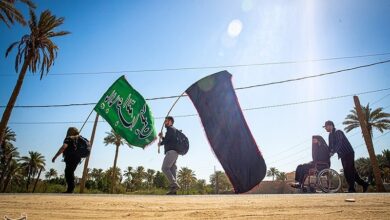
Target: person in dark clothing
x,y
321,160
169,164
71,158
338,143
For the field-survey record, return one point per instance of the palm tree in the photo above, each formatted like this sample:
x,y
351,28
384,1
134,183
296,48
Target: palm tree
x,y
386,156
9,14
37,51
138,177
149,177
128,174
10,152
282,176
364,168
376,119
13,173
160,180
7,153
32,164
386,165
220,181
51,173
117,173
9,136
201,186
97,174
36,181
115,139
186,178
272,172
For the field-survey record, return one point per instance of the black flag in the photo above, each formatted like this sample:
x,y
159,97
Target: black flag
x,y
227,131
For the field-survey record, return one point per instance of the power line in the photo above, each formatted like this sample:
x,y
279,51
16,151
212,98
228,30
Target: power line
x,y
380,136
245,109
239,88
215,67
314,76
315,100
381,99
307,140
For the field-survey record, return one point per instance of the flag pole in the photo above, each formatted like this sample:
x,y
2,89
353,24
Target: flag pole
x,y
85,173
85,121
162,126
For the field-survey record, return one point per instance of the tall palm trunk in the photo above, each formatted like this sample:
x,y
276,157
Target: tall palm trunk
x,y
114,169
367,135
5,171
36,181
12,100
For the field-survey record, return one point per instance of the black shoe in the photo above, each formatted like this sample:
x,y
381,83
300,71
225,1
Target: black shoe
x,y
365,187
296,185
351,190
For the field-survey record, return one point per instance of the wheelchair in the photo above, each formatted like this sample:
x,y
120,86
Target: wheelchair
x,y
321,179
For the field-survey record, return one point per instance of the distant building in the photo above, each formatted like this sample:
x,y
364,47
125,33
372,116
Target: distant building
x,y
290,177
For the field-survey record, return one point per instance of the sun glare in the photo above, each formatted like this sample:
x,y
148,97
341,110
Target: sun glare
x,y
235,28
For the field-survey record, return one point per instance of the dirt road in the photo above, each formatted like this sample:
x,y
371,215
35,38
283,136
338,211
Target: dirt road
x,y
313,206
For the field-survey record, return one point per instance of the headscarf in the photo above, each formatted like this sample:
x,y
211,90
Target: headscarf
x,y
320,151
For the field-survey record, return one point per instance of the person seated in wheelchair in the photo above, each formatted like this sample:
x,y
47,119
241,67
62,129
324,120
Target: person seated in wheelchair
x,y
321,160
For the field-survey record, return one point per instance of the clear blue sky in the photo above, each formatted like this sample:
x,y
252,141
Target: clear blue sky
x,y
132,35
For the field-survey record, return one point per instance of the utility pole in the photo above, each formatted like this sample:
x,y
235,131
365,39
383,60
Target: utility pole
x,y
85,173
370,146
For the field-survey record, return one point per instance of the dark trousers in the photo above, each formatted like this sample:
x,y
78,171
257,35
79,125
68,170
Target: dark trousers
x,y
301,171
348,162
70,167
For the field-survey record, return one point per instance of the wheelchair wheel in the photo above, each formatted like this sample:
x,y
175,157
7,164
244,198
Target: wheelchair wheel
x,y
329,181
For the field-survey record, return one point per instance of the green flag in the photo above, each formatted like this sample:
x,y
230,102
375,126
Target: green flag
x,y
127,113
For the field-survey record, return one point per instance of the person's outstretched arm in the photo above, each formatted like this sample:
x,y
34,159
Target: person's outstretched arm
x,y
59,152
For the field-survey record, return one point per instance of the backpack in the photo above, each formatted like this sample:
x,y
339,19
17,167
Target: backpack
x,y
182,143
83,147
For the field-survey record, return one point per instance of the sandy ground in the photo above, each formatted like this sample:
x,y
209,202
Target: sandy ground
x,y
309,206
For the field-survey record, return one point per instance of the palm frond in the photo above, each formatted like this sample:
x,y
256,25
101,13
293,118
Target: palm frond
x,y
29,3
348,122
351,127
9,14
380,115
9,49
58,34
